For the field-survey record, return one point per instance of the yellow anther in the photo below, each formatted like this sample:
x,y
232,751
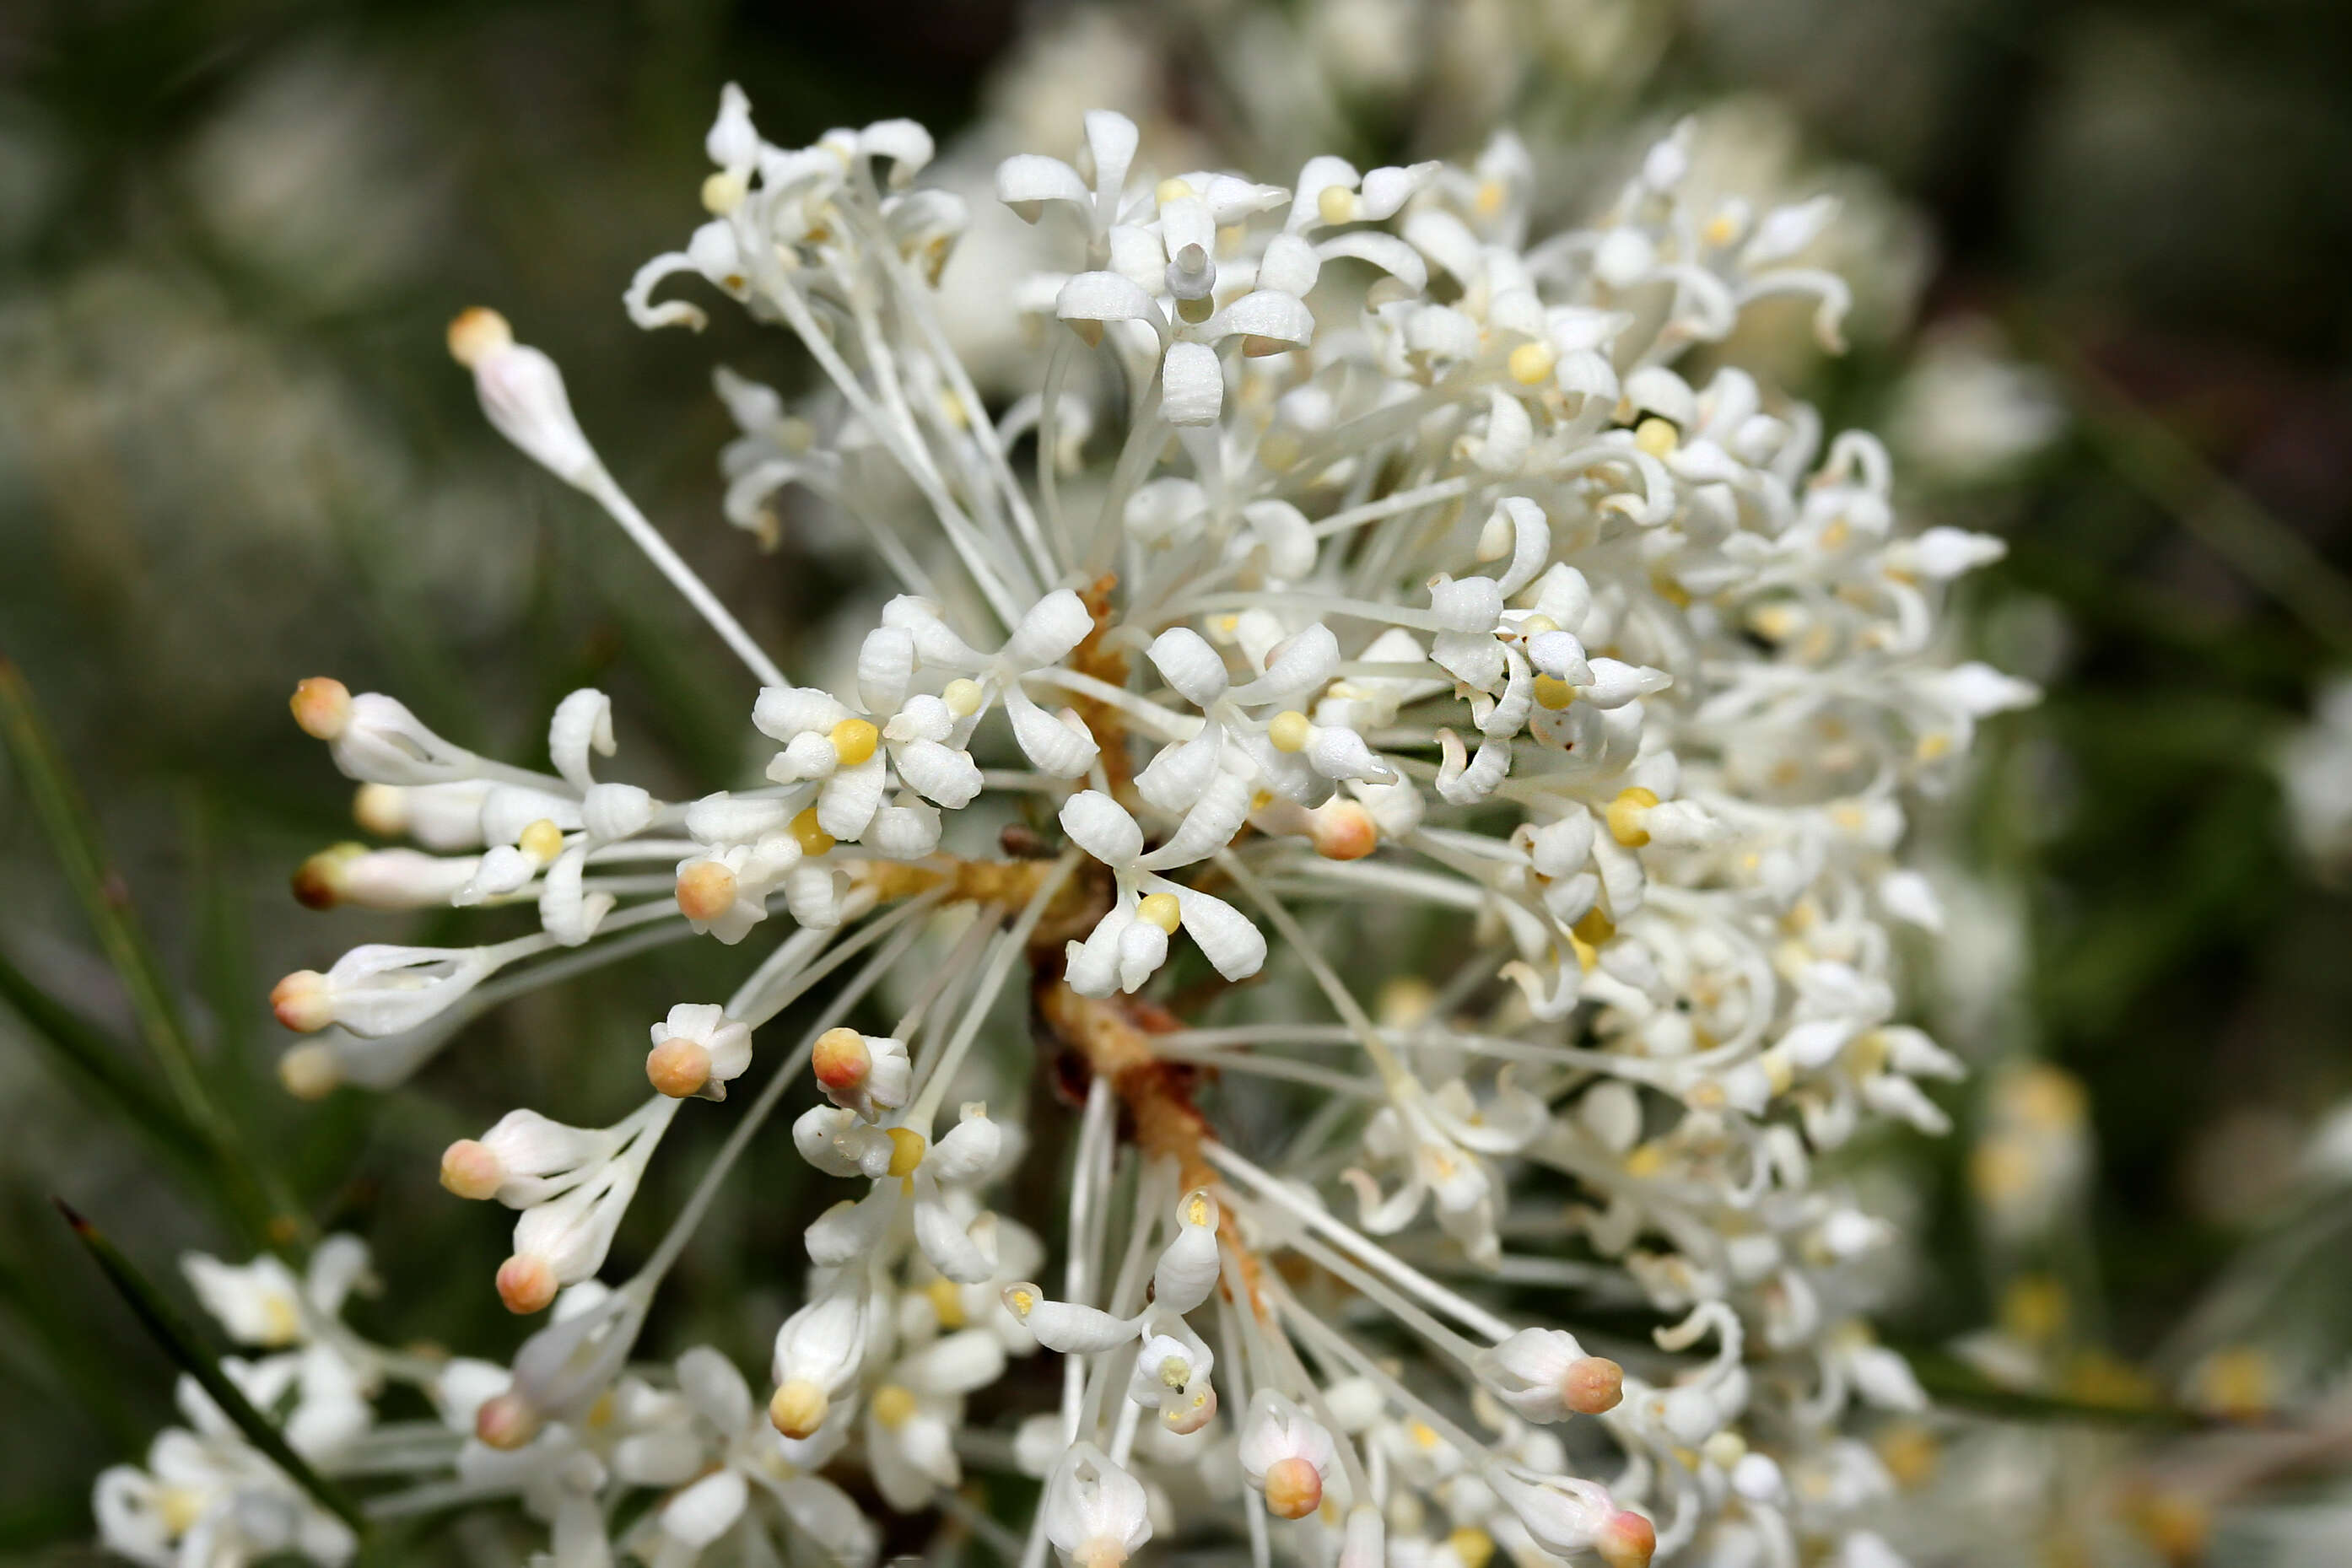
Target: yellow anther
x,y
1173,190
1777,1074
795,434
1489,200
1337,204
1175,1372
1648,1160
542,841
1933,746
1279,451
1196,1210
1423,1434
1196,311
1594,927
1531,362
1536,625
477,334
906,1150
1626,813
1721,230
1910,1451
1836,534
1655,436
1162,910
946,1302
893,1404
600,1415
1470,1543
1724,1449
180,1508
1289,731
1866,1055
1552,693
1022,1301
854,740
963,697
722,192
812,839
797,1407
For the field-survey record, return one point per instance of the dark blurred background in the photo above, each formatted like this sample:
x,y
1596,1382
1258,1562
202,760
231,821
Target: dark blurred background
x,y
233,453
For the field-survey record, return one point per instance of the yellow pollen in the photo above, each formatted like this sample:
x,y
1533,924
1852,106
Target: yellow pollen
x,y
1175,1372
722,192
946,1302
1594,928
1473,1545
963,697
181,1508
1934,747
1720,230
1022,1303
892,1406
1655,436
906,1150
1174,190
1289,731
812,839
542,841
1531,362
1626,813
1196,1211
1553,694
854,740
1337,204
1422,1433
1648,1160
1492,195
1162,910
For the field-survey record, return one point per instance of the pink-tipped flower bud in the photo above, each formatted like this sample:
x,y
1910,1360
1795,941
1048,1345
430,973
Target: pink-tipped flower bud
x,y
322,707
506,1421
472,1169
302,1001
679,1067
1626,1541
1294,1487
526,1283
1592,1384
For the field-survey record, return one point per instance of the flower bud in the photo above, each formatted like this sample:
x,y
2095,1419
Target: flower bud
x,y
526,1283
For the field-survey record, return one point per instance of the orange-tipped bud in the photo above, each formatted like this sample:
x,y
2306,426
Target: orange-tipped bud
x,y
1627,1540
472,1170
841,1058
526,1283
679,1067
506,1421
320,881
1591,1385
477,334
1344,830
301,1001
322,707
706,890
797,1408
1294,1487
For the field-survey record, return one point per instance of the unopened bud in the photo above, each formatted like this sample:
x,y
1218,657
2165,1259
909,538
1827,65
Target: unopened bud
x,y
322,707
1592,1385
506,1421
471,1169
309,1071
679,1067
797,1407
706,890
1344,830
526,1283
1294,1487
478,333
302,1001
841,1058
1626,1541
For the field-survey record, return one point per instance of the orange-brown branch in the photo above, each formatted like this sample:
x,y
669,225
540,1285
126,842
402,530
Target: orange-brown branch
x,y
1113,1039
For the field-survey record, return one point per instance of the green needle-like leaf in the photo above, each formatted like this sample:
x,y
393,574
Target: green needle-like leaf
x,y
249,1189
173,1333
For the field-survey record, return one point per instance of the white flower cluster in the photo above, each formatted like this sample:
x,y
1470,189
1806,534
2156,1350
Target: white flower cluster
x,y
1418,587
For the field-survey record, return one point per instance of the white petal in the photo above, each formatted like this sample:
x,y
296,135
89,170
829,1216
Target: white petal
x,y
1191,384
1101,826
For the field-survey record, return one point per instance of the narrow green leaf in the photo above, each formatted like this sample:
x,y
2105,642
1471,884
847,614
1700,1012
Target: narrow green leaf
x,y
86,1058
173,1333
249,1189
